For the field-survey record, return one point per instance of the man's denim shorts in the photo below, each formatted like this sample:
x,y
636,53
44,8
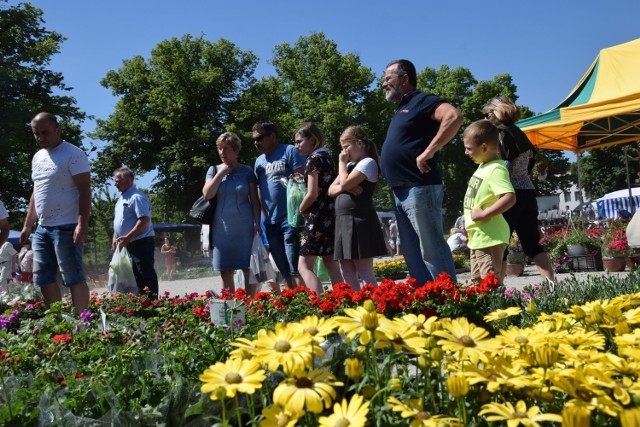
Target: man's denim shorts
x,y
53,248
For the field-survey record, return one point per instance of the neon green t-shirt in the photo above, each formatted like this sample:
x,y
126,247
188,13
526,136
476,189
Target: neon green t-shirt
x,y
488,183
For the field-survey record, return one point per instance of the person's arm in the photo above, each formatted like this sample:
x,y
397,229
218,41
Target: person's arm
x,y
503,204
351,184
140,225
255,206
29,221
212,185
4,230
312,191
82,182
450,120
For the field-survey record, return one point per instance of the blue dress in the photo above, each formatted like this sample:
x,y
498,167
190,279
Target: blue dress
x,y
233,227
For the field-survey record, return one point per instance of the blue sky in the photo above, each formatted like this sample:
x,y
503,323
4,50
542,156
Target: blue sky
x,y
545,45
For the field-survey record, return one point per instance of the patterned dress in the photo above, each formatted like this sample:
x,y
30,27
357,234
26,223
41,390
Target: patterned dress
x,y
319,227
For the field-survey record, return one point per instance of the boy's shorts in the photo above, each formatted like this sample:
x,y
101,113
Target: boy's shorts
x,y
486,260
53,249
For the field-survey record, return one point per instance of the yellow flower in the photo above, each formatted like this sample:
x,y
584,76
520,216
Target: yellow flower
x,y
318,328
311,390
354,368
458,385
420,322
235,375
287,346
413,409
582,340
352,414
632,338
502,314
466,340
630,417
359,321
501,375
583,393
576,416
244,350
401,337
518,415
515,340
276,416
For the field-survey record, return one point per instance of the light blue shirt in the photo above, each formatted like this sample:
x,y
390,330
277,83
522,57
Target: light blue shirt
x,y
272,172
131,206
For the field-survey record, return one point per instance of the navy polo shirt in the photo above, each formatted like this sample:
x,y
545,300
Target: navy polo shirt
x,y
410,132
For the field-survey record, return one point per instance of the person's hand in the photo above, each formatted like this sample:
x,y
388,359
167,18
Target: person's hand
x,y
344,156
477,214
356,191
421,162
258,229
80,234
123,241
24,235
224,169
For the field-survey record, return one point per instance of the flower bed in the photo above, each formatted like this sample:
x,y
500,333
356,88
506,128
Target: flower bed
x,y
130,361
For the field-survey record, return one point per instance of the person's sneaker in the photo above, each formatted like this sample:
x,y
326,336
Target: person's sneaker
x,y
552,284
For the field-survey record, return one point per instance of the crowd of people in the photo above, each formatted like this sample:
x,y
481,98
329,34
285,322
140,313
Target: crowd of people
x,y
340,222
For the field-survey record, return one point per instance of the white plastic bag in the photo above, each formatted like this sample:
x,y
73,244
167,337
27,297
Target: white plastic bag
x,y
121,278
633,231
260,265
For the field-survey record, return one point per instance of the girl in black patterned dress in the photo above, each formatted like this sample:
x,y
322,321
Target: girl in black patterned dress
x,y
317,208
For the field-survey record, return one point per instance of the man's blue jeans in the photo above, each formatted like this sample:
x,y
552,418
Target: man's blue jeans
x,y
284,245
422,242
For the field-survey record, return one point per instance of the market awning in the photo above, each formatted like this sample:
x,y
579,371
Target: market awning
x,y
603,109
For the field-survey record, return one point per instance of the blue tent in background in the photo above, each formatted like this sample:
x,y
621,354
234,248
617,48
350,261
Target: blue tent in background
x,y
14,237
610,204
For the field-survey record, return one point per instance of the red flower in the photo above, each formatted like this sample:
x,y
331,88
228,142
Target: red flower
x,y
62,338
288,293
199,311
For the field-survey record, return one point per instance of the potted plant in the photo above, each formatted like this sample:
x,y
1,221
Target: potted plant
x,y
516,258
615,249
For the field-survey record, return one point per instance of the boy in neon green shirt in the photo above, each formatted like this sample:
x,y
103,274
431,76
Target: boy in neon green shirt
x,y
489,194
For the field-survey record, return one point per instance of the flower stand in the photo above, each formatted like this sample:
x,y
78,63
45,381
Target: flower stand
x,y
614,264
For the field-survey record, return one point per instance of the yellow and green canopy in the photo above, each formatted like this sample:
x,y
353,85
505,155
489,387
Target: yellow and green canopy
x,y
603,109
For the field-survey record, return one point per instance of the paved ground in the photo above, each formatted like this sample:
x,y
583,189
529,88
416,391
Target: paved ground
x,y
201,285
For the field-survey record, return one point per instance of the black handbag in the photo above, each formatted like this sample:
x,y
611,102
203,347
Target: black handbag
x,y
202,210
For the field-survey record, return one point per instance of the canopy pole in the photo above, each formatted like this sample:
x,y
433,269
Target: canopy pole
x,y
580,198
632,206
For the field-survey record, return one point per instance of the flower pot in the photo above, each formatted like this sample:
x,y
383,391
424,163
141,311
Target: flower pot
x,y
632,262
514,269
614,264
576,250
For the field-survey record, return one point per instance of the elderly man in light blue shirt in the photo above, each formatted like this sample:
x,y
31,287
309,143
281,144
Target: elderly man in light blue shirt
x,y
132,228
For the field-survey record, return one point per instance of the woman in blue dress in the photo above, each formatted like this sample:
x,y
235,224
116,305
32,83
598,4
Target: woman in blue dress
x,y
237,214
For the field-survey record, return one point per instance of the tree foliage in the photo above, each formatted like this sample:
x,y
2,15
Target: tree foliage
x,y
171,108
27,87
603,170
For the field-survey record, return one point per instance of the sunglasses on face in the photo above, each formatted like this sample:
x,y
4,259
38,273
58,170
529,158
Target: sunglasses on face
x,y
259,138
489,114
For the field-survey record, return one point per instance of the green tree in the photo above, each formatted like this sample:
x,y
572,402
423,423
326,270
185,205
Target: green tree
x,y
316,82
27,87
603,170
171,108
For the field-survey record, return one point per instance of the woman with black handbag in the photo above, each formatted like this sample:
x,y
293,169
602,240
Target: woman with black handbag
x,y
237,210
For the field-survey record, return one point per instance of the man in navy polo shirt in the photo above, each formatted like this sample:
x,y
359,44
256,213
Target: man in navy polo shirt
x,y
132,228
422,124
